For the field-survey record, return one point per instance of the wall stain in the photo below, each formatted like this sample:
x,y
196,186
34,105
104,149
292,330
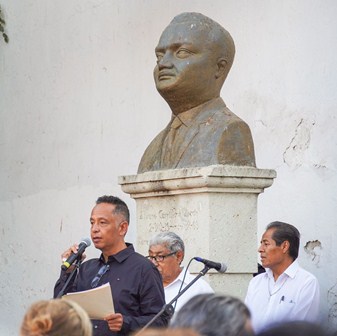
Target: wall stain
x,y
312,248
293,155
332,304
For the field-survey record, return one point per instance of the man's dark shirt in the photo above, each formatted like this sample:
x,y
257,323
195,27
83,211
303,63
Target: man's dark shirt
x,y
136,287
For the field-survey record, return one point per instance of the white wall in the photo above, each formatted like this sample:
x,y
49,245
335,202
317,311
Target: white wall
x,y
78,107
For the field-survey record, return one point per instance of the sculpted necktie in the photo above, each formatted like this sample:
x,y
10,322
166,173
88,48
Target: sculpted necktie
x,y
169,149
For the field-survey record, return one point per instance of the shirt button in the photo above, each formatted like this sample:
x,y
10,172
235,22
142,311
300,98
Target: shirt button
x,y
95,326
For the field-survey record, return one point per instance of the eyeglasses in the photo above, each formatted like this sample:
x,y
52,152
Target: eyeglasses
x,y
99,275
160,258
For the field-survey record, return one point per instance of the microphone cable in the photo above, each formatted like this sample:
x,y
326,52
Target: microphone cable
x,y
182,283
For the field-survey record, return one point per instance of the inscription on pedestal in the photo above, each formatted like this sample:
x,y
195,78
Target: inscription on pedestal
x,y
171,219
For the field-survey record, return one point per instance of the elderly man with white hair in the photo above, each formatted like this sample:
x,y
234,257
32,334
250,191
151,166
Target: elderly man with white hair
x,y
166,251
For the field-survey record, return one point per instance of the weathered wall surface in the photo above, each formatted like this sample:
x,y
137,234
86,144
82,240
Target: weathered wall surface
x,y
78,107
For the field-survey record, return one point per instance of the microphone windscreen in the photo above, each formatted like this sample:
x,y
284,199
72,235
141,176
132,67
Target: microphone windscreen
x,y
86,241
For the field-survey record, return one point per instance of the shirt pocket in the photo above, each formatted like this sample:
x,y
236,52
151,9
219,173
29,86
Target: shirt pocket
x,y
285,308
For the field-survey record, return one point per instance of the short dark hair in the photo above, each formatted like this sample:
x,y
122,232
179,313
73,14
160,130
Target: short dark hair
x,y
295,328
283,232
213,315
120,206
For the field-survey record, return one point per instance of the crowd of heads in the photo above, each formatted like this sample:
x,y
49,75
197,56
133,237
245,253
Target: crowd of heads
x,y
223,315
203,315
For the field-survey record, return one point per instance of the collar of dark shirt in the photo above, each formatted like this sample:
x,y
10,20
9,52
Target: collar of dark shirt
x,y
188,117
120,256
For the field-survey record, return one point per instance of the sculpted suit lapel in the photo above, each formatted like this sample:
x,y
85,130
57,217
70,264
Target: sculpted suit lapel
x,y
193,122
183,141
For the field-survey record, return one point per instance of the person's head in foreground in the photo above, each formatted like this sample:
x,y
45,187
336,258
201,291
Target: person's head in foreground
x,y
56,318
214,315
166,332
296,328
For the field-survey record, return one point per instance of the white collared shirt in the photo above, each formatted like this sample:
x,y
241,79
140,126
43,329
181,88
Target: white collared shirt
x,y
199,287
294,296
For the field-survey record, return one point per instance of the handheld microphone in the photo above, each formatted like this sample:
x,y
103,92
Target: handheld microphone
x,y
74,256
220,267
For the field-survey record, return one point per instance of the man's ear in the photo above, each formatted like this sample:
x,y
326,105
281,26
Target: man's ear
x,y
180,256
285,246
221,67
123,228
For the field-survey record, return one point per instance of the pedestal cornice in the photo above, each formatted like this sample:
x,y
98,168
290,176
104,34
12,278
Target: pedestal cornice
x,y
216,178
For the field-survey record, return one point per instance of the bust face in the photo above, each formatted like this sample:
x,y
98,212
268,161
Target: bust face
x,y
186,63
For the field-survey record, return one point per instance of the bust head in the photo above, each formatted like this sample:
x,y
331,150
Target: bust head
x,y
194,56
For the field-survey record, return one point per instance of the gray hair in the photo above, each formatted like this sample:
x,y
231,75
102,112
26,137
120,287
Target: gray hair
x,y
169,239
213,315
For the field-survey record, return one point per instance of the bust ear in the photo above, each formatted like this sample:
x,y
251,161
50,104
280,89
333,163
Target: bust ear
x,y
221,67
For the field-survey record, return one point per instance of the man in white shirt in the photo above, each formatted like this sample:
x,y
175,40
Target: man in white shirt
x,y
285,292
166,251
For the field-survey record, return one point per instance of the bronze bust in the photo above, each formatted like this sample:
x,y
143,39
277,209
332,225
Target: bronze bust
x,y
194,56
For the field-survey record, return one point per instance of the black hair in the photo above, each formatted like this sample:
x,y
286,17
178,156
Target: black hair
x,y
295,328
286,232
120,206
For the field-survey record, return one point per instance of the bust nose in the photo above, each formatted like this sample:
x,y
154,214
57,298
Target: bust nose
x,y
165,61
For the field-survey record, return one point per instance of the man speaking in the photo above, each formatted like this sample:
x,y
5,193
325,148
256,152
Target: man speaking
x,y
135,282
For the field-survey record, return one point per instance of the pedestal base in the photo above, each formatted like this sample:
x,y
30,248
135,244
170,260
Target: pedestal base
x,y
213,209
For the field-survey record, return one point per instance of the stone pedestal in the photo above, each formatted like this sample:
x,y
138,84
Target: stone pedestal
x,y
213,209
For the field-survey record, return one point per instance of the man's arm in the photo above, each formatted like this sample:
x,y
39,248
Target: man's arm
x,y
60,283
151,300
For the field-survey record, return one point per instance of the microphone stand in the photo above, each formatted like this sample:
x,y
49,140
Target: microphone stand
x,y
77,264
168,307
